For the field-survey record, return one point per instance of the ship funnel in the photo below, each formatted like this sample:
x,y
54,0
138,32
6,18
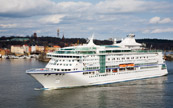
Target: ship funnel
x,y
91,43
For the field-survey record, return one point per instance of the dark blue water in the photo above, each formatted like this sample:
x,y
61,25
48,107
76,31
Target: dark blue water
x,y
17,91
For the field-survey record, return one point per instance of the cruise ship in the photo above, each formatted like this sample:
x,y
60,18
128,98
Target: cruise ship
x,y
90,64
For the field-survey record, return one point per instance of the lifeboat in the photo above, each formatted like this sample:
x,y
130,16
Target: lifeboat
x,y
126,65
131,65
122,65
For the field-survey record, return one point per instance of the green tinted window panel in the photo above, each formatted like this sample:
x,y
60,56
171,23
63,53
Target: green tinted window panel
x,y
102,63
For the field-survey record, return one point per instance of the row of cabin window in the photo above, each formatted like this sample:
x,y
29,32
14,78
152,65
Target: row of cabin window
x,y
127,58
120,69
85,73
62,69
89,59
64,60
91,68
90,64
89,56
141,64
59,64
63,56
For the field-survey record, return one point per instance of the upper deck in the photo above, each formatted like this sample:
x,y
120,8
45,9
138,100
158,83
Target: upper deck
x,y
127,45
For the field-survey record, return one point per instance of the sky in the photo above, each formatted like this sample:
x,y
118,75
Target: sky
x,y
81,18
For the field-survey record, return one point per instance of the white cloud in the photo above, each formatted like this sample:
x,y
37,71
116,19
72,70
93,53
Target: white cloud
x,y
165,20
13,8
102,17
52,19
162,30
8,25
146,31
155,20
25,7
73,6
158,30
117,6
3,30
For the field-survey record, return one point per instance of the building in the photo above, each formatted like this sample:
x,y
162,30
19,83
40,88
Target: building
x,y
20,49
33,49
2,52
26,49
51,49
39,48
17,49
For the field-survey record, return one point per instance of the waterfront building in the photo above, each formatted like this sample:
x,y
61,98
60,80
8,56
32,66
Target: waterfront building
x,y
17,49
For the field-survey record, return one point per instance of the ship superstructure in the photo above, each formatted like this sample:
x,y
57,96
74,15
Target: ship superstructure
x,y
92,64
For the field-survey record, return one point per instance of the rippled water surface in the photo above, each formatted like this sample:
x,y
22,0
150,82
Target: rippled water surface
x,y
17,91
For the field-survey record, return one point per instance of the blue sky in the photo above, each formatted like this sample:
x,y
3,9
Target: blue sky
x,y
80,18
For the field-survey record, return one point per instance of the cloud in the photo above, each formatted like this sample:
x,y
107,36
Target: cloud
x,y
73,6
120,6
156,20
79,17
27,8
131,6
52,19
165,20
8,25
162,30
158,30
13,8
3,30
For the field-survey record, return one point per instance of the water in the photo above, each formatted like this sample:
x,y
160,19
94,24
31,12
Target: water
x,y
17,91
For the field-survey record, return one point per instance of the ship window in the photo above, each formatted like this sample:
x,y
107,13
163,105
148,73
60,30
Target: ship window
x,y
121,69
62,69
130,68
108,70
115,70
127,58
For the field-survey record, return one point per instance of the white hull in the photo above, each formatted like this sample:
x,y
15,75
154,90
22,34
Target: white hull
x,y
69,80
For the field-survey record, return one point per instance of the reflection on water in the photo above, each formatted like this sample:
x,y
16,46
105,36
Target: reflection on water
x,y
17,90
127,94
